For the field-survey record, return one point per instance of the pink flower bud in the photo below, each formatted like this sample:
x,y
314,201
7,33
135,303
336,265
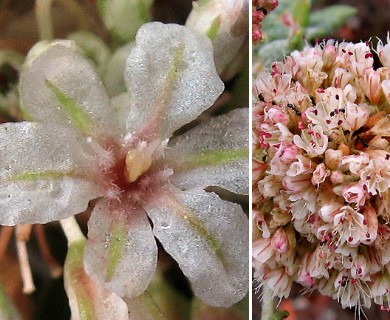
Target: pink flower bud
x,y
355,193
384,52
329,56
371,84
319,174
280,241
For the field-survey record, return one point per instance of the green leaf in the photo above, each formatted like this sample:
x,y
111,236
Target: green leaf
x,y
280,315
273,51
301,12
324,22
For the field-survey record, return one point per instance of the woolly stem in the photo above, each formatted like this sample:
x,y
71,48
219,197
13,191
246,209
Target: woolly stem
x,y
268,304
44,19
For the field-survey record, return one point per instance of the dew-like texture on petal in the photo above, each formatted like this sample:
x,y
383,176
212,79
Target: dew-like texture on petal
x,y
213,154
60,86
87,298
43,173
208,237
171,77
121,251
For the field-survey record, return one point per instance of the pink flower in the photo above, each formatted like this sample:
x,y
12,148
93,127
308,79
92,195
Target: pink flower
x,y
335,186
355,193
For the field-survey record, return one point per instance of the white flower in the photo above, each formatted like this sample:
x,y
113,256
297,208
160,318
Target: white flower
x,y
312,140
77,149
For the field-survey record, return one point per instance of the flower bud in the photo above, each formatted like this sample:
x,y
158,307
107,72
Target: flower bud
x,y
384,52
280,241
225,23
371,84
124,17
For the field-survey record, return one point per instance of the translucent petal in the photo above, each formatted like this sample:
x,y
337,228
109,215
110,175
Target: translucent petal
x,y
208,237
144,307
213,154
60,86
43,173
171,77
87,298
121,250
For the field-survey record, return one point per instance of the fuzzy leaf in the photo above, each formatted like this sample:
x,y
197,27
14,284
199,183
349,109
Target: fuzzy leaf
x,y
44,173
121,250
208,237
87,298
324,22
60,86
273,51
213,154
171,79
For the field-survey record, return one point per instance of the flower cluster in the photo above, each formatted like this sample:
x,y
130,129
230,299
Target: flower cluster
x,y
321,173
260,8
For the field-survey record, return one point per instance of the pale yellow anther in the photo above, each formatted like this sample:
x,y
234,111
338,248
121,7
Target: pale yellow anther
x,y
138,161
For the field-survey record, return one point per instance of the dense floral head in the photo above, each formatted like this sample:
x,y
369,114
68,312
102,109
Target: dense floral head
x,y
322,173
260,8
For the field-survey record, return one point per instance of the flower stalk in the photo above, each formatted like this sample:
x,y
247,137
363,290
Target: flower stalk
x,y
44,19
268,303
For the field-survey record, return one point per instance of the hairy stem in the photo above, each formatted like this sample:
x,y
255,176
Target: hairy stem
x,y
268,305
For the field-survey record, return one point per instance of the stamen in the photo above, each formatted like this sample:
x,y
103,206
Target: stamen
x,y
25,268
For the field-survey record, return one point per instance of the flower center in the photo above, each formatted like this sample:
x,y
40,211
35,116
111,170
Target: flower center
x,y
137,162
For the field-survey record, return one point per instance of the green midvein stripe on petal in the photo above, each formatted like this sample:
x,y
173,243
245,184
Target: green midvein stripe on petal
x,y
37,175
115,249
199,228
76,114
172,74
213,31
211,158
